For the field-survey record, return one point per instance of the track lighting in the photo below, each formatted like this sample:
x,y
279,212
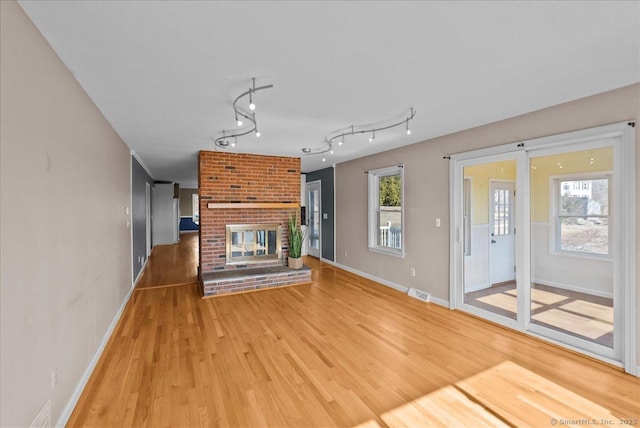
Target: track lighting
x,y
240,114
338,135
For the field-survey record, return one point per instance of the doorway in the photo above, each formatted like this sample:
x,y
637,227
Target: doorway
x,y
314,210
557,260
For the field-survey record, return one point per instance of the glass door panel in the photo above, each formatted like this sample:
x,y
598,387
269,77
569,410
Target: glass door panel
x,y
313,207
489,238
572,262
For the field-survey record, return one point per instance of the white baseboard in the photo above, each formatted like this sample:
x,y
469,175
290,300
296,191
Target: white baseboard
x,y
477,287
402,288
390,284
71,404
573,288
438,301
144,265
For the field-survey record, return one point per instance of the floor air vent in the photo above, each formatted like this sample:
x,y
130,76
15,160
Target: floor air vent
x,y
417,294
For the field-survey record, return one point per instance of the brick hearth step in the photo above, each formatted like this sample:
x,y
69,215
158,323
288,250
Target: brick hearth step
x,y
250,279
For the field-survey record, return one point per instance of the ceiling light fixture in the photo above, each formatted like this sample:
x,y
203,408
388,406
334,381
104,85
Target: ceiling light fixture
x,y
338,135
241,114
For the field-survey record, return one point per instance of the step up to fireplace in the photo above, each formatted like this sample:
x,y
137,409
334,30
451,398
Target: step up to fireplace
x,y
249,279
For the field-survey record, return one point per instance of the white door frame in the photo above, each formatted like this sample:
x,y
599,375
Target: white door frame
x,y
456,301
310,186
622,137
512,216
147,216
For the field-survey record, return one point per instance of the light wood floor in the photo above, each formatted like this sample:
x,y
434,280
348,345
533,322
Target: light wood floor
x,y
341,351
175,264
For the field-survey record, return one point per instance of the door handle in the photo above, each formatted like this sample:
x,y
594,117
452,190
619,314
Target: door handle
x,y
493,241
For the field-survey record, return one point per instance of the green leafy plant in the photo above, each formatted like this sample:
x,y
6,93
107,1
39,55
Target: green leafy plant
x,y
296,237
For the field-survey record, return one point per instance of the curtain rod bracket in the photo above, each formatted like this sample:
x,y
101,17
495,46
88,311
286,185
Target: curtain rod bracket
x,y
631,124
446,157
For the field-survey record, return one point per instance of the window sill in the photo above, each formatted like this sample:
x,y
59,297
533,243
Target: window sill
x,y
583,256
399,254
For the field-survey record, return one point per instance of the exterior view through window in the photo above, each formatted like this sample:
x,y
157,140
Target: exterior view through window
x,y
583,215
385,210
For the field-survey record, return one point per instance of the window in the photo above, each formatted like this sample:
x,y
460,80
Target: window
x,y
582,215
385,210
195,206
501,212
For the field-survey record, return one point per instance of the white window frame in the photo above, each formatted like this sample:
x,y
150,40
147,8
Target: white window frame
x,y
555,240
374,176
195,208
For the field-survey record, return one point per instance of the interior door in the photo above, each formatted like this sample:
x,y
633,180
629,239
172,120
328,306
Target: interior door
x,y
502,232
314,210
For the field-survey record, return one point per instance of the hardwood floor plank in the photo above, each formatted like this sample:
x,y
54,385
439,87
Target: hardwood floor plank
x,y
342,351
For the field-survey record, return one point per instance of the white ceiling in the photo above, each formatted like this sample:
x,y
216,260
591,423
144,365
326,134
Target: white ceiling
x,y
164,73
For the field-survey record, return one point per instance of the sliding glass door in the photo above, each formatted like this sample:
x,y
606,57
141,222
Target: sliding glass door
x,y
490,286
543,239
573,246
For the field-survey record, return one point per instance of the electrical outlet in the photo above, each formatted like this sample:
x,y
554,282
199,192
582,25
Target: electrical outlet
x,y
437,222
345,254
413,272
54,378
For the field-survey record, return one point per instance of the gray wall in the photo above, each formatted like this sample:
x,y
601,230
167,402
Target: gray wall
x,y
139,178
65,179
326,196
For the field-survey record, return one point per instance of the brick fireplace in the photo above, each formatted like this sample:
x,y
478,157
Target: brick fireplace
x,y
245,189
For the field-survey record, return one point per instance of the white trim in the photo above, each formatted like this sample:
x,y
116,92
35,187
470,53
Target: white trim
x,y
573,288
477,287
135,155
335,253
129,214
146,259
438,301
306,189
77,392
582,351
373,187
628,225
390,284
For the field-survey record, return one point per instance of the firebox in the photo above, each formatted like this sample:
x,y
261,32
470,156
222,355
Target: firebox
x,y
253,243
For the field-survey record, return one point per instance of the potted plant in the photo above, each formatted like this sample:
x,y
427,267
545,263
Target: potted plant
x,y
296,237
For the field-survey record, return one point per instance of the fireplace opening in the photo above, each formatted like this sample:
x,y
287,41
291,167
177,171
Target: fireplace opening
x,y
253,243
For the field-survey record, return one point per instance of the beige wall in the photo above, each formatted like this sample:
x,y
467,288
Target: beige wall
x,y
186,203
66,247
427,187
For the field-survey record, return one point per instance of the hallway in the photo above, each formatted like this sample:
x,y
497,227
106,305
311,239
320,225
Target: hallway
x,y
170,265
